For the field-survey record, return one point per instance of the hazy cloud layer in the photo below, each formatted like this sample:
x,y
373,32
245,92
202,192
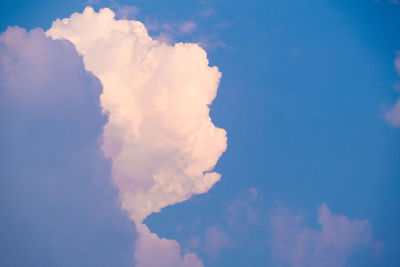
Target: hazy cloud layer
x,y
159,134
296,244
57,203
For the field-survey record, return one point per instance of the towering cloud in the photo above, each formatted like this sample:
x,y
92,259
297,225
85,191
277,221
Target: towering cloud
x,y
159,134
57,203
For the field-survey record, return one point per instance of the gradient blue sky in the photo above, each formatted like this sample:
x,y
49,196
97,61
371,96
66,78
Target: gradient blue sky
x,y
305,85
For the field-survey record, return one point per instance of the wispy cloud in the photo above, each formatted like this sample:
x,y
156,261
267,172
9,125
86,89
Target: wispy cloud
x,y
187,27
299,245
170,31
210,41
393,114
216,240
241,214
126,12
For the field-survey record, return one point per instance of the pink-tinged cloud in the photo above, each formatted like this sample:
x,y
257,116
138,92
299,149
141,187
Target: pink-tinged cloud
x,y
241,214
297,245
152,251
187,27
393,115
216,240
159,134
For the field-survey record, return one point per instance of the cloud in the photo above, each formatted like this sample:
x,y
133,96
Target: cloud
x,y
187,27
127,12
207,12
241,214
295,244
57,203
393,115
152,251
168,32
395,2
216,240
211,41
159,133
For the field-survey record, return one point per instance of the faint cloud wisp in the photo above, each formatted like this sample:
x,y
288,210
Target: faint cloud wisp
x,y
298,245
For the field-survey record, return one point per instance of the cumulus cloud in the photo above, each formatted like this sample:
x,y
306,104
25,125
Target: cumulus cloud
x,y
295,244
57,203
159,133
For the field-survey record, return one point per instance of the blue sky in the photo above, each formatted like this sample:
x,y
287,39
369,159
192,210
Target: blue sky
x,y
304,89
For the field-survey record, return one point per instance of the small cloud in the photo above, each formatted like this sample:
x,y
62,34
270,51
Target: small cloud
x,y
151,24
253,193
165,38
393,114
296,244
207,12
126,12
397,62
168,32
187,27
240,213
211,42
223,24
216,240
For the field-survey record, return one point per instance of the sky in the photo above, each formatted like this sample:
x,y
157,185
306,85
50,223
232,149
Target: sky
x,y
200,133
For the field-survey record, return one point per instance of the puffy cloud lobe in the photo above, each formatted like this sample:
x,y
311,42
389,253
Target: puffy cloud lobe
x,y
159,134
57,203
297,245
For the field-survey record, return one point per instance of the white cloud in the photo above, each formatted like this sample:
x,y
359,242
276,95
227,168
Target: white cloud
x,y
295,244
159,134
